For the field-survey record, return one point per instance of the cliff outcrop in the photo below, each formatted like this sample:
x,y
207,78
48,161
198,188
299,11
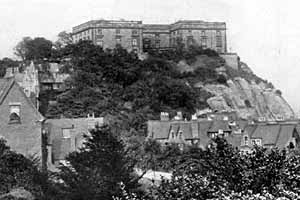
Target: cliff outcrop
x,y
250,96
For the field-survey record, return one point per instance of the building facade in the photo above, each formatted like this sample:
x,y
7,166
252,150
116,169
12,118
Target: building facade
x,y
20,121
110,33
139,37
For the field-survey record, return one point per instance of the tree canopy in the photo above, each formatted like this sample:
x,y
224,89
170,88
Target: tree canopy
x,y
95,171
34,49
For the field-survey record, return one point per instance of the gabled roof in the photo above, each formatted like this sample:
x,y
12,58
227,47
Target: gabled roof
x,y
203,129
6,84
268,133
285,135
186,129
159,129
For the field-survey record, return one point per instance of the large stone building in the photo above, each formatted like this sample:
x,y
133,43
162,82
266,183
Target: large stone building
x,y
136,36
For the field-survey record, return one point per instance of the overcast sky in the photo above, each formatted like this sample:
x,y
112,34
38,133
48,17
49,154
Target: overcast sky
x,y
265,33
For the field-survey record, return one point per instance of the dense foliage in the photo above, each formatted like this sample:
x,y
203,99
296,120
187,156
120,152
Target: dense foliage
x,y
95,171
17,171
125,89
223,172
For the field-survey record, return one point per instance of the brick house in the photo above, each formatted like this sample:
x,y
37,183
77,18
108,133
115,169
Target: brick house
x,y
20,121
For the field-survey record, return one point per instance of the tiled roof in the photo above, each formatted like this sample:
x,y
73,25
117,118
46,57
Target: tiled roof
x,y
219,125
203,129
5,85
286,133
186,129
268,133
159,129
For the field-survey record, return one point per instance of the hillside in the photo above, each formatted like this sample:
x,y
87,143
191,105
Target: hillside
x,y
129,91
242,91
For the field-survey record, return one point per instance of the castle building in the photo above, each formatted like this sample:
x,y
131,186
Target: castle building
x,y
139,37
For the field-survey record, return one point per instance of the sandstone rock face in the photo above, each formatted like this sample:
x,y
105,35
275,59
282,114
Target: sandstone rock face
x,y
249,100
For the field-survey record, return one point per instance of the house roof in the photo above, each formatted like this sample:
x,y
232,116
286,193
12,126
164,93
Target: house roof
x,y
268,133
219,125
5,86
203,129
159,129
286,133
186,129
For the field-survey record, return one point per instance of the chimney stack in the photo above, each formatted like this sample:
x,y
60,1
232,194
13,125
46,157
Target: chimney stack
x,y
164,116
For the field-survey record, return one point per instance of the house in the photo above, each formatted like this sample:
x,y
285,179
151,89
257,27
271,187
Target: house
x,y
195,132
66,135
20,121
270,135
239,133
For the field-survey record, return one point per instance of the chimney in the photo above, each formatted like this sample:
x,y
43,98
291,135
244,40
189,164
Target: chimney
x,y
194,117
164,116
179,116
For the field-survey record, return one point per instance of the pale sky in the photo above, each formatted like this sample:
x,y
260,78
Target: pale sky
x,y
265,33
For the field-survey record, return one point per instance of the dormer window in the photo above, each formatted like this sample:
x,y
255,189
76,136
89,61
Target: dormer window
x,y
180,134
172,133
246,140
14,116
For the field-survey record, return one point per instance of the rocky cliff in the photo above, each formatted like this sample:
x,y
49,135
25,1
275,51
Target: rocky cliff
x,y
247,94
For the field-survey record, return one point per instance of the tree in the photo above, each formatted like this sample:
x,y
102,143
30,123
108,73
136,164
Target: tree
x,y
21,48
17,171
95,171
63,39
34,49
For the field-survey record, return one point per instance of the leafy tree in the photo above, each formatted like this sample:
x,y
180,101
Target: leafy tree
x,y
63,39
17,171
34,49
95,171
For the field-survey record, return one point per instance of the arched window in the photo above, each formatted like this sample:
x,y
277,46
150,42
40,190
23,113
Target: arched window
x,y
14,116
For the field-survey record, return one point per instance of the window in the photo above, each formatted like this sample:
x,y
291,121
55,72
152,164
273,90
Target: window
x,y
14,117
180,134
203,41
156,35
246,140
99,31
66,133
203,33
190,40
118,40
118,31
134,32
190,31
157,43
134,42
172,133
219,39
100,43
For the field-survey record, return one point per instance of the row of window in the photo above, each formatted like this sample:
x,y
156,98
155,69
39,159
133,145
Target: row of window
x,y
118,31
118,41
203,33
173,135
